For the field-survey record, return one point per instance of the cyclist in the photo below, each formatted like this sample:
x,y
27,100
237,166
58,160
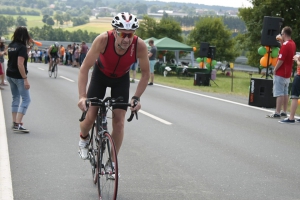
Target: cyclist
x,y
114,51
53,53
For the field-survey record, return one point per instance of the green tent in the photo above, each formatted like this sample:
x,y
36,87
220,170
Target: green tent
x,y
170,45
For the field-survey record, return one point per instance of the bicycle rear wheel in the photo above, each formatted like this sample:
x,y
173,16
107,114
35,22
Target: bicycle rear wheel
x,y
107,178
55,70
93,151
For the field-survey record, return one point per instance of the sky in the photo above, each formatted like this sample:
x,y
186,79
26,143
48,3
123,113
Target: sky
x,y
229,3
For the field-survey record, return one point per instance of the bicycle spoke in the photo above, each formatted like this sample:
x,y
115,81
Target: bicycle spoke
x,y
108,174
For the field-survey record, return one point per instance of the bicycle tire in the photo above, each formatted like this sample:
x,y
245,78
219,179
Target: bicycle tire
x,y
55,70
107,187
93,151
50,72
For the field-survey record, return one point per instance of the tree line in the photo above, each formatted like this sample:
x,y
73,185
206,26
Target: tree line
x,y
48,33
18,11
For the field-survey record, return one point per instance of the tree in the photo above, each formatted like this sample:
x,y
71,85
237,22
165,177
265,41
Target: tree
x,y
147,27
212,30
50,21
141,8
41,4
58,17
45,17
47,11
168,27
253,18
21,21
66,17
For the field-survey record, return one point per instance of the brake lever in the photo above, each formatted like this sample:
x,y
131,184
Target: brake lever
x,y
87,104
133,112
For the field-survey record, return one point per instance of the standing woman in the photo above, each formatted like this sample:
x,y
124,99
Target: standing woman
x,y
17,76
2,53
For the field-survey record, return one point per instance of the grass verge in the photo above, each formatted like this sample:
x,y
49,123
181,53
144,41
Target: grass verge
x,y
241,84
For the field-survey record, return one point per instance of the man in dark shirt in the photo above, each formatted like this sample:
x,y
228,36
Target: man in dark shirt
x,y
83,52
152,60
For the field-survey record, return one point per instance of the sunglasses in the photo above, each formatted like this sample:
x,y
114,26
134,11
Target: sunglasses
x,y
124,35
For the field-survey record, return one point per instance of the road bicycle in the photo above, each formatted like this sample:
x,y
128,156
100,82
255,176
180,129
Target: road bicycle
x,y
102,151
53,69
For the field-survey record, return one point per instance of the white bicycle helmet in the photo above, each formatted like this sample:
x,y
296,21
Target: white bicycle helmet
x,y
125,21
56,44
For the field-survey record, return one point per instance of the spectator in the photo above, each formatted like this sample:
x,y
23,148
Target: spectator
x,y
152,60
62,54
1,73
133,69
76,57
282,73
32,56
295,93
83,52
17,76
2,54
46,57
41,56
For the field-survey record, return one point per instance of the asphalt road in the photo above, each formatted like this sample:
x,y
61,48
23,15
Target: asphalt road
x,y
215,147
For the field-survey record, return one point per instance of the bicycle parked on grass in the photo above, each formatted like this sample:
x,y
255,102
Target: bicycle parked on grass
x,y
102,150
53,69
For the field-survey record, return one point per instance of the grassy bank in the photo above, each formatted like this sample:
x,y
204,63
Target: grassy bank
x,y
241,83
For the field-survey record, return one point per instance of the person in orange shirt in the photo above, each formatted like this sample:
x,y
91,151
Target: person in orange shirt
x,y
295,93
62,54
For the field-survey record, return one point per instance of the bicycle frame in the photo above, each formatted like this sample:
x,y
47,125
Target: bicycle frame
x,y
102,147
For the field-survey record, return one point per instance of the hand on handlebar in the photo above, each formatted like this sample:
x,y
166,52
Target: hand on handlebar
x,y
135,105
82,104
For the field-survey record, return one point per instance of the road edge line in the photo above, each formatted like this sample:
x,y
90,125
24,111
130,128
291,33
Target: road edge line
x,y
6,190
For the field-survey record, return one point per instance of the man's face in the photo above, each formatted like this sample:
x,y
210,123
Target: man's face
x,y
124,38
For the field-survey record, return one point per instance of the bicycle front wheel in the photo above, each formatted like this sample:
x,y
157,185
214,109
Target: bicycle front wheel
x,y
55,70
93,151
50,72
108,169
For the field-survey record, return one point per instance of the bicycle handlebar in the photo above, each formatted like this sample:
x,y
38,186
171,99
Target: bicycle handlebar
x,y
108,102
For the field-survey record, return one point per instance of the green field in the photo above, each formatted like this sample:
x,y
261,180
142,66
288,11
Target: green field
x,y
91,27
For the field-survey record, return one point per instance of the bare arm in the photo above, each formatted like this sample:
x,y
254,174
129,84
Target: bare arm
x,y
278,65
49,52
98,47
145,68
22,71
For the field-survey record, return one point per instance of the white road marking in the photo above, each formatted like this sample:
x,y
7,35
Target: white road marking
x,y
66,78
216,98
6,191
154,117
41,68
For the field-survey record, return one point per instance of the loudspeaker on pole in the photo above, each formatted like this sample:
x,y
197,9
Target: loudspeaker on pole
x,y
204,47
271,28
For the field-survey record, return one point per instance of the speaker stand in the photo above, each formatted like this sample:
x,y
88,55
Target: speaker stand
x,y
210,74
267,70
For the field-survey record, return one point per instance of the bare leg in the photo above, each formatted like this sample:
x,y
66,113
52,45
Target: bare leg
x,y
279,102
118,127
151,77
87,124
50,64
294,106
14,116
19,118
285,103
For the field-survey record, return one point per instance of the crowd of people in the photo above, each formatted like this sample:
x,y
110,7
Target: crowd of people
x,y
72,55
